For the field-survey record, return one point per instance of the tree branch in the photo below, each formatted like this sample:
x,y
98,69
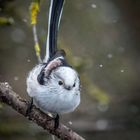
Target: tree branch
x,y
9,97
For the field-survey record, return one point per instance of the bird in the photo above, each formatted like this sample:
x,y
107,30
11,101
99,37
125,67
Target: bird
x,y
54,85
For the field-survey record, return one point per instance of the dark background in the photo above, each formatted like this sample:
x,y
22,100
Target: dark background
x,y
101,39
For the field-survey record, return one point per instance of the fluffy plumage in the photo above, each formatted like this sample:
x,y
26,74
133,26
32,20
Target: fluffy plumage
x,y
52,97
54,85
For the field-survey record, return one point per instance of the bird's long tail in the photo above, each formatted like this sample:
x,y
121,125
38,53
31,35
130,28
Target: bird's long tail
x,y
55,12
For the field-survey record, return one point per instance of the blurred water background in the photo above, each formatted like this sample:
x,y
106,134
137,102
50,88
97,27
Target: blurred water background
x,y
101,39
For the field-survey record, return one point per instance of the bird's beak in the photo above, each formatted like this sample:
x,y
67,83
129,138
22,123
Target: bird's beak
x,y
68,87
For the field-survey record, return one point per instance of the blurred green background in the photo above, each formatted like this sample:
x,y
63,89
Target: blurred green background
x,y
101,39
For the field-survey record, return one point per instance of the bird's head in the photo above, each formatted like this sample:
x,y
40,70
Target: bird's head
x,y
65,78
59,77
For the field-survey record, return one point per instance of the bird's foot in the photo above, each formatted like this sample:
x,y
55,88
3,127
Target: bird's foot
x,y
56,122
29,108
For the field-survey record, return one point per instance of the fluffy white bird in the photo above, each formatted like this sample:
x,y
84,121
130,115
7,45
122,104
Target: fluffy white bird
x,y
54,86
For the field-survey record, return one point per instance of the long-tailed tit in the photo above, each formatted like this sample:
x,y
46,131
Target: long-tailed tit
x,y
54,85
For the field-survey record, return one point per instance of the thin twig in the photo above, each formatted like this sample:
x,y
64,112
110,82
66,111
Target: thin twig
x,y
36,43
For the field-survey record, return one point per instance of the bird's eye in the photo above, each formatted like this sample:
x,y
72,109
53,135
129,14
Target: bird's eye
x,y
74,85
60,83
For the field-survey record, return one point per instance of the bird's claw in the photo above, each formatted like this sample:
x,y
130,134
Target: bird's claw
x,y
29,107
56,122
